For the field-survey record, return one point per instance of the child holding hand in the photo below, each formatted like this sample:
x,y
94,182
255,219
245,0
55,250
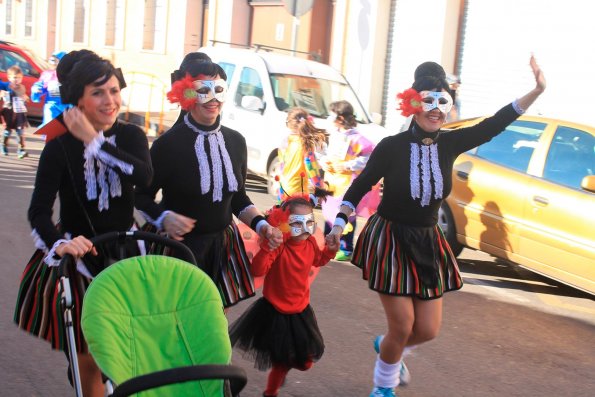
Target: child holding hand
x,y
280,329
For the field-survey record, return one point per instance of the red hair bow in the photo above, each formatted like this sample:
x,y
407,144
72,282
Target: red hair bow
x,y
409,102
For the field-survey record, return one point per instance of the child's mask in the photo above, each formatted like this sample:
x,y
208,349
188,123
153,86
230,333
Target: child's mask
x,y
300,224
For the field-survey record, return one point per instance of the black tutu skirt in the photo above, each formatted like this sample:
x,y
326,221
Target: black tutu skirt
x,y
269,337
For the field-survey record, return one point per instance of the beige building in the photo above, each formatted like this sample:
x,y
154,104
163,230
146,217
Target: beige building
x,y
376,44
148,39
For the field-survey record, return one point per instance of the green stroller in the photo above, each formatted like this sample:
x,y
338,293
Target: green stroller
x,y
154,324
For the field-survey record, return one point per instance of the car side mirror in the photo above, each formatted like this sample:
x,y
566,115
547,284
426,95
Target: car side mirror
x,y
253,103
588,183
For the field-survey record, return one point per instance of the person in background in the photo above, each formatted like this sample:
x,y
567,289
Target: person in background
x,y
342,161
93,169
401,250
201,169
300,172
280,329
14,111
48,86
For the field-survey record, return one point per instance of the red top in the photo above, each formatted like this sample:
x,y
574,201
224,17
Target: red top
x,y
287,269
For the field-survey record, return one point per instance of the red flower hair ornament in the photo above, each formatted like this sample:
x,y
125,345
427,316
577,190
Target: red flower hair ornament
x,y
409,102
183,92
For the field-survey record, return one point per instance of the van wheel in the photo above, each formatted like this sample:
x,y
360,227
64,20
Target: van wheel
x,y
273,170
447,224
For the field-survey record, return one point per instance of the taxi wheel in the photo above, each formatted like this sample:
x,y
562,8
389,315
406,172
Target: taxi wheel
x,y
447,224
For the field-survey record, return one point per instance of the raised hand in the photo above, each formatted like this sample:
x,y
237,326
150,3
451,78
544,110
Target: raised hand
x,y
78,125
538,73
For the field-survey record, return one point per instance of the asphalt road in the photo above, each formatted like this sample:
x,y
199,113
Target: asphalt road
x,y
508,332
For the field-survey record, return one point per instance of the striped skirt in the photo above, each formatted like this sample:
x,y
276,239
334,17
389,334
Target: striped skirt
x,y
38,309
223,257
390,269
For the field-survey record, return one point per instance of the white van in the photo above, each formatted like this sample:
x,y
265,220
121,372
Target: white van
x,y
263,86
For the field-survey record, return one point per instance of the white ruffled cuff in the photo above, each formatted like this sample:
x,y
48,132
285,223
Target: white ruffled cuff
x,y
260,225
92,148
517,107
159,222
347,203
50,259
245,209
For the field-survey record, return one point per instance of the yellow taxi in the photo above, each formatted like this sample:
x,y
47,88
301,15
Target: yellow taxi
x,y
528,196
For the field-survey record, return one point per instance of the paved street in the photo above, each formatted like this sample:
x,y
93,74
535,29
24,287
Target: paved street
x,y
507,333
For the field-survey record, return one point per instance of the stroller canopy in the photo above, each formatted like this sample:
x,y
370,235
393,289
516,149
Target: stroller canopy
x,y
151,313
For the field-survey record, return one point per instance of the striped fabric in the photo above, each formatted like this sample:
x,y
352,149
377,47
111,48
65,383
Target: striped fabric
x,y
235,282
389,270
38,308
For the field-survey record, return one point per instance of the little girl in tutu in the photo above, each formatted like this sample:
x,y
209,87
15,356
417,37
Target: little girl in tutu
x,y
280,330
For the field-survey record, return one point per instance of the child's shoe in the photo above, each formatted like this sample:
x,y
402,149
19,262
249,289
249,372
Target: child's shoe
x,y
342,256
383,392
22,153
404,374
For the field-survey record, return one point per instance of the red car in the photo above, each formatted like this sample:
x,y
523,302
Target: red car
x,y
31,65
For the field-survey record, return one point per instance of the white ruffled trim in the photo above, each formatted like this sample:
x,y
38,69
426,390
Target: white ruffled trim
x,y
106,178
349,204
421,187
436,172
38,241
203,164
217,168
80,265
49,257
414,172
231,178
159,222
426,174
219,158
112,161
246,208
262,223
517,107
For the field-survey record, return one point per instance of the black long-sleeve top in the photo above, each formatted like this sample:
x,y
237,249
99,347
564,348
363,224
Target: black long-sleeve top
x,y
392,160
177,174
131,151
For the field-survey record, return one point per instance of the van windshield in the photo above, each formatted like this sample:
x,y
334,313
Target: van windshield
x,y
314,95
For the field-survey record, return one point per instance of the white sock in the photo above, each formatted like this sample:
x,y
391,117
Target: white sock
x,y
386,375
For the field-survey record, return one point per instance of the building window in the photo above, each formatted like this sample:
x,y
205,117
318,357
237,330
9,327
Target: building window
x,y
8,20
80,15
28,18
114,24
155,25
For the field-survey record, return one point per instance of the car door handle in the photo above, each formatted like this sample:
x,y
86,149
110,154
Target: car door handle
x,y
541,200
463,175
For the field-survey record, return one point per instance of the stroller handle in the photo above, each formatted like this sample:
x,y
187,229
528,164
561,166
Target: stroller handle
x,y
67,262
237,378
